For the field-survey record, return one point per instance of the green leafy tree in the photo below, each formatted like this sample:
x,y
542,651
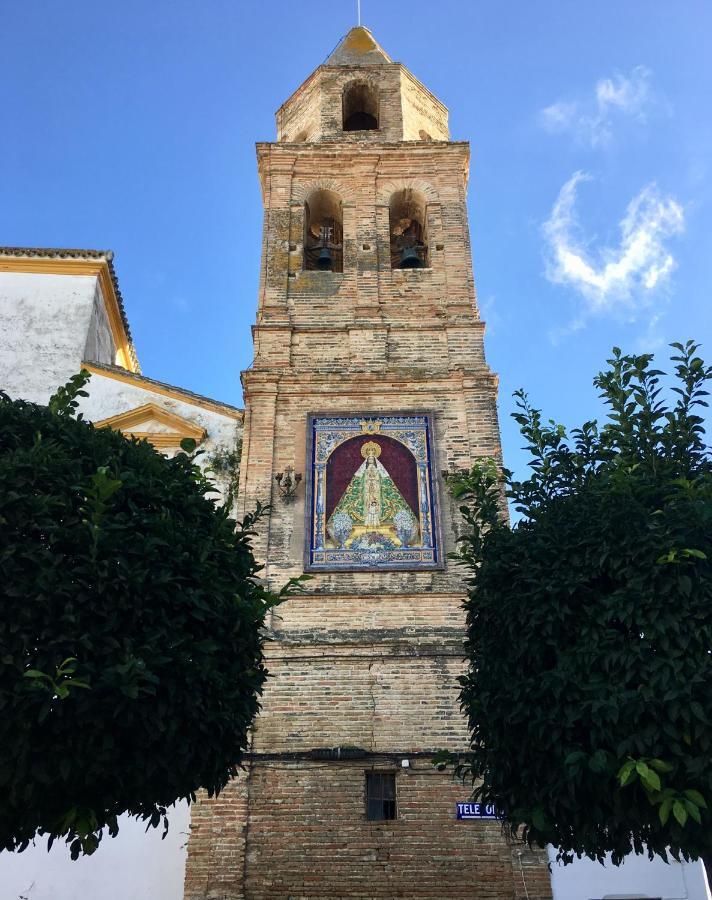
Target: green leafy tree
x,y
589,690
131,655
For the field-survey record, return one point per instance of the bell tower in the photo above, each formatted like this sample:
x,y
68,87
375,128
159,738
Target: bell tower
x,y
369,380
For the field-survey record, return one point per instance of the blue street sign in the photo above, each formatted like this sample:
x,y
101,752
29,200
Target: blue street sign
x,y
477,811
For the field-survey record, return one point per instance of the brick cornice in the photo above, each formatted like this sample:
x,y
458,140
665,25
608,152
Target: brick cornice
x,y
356,383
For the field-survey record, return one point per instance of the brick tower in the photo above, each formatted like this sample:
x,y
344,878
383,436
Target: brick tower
x,y
369,379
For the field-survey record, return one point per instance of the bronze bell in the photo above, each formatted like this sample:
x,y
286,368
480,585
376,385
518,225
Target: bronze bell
x,y
324,261
410,259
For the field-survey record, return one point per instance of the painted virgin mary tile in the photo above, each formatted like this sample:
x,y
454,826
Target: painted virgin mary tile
x,y
371,500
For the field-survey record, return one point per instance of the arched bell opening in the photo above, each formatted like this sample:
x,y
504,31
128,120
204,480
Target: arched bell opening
x,y
407,224
360,107
323,232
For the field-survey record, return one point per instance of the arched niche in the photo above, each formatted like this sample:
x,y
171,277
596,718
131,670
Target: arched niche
x,y
323,232
360,107
407,227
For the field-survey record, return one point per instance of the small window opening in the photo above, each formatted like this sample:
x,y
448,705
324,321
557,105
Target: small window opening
x,y
360,107
408,231
380,796
323,232
424,136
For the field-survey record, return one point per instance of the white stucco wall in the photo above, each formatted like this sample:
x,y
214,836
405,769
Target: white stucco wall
x,y
44,326
110,397
100,346
135,865
636,877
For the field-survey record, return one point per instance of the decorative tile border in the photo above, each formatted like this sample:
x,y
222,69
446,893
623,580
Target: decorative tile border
x,y
371,501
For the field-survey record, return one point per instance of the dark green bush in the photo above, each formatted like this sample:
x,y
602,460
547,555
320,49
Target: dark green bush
x,y
130,649
589,692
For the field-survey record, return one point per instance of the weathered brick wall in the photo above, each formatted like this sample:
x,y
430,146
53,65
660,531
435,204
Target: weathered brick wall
x,y
216,847
422,112
307,837
365,183
299,119
423,853
465,428
405,107
368,695
362,659
329,614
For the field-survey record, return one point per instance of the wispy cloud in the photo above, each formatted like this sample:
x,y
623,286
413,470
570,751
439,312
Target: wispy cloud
x,y
489,313
621,279
650,339
591,120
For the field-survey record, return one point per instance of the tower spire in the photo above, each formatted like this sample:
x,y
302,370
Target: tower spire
x,y
358,48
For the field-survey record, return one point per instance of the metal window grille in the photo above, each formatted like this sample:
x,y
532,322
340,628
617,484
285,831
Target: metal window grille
x,y
380,796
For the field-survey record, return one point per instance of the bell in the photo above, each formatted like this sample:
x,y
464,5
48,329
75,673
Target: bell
x,y
324,261
410,259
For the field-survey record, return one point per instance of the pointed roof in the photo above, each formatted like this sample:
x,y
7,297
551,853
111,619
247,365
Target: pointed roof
x,y
358,48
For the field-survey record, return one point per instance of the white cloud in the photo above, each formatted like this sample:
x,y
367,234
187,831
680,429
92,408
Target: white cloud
x,y
558,116
489,313
630,95
622,279
650,339
591,120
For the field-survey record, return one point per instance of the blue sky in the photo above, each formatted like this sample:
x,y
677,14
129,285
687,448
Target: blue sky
x,y
132,126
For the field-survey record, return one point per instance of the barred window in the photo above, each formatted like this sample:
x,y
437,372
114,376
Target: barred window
x,y
380,796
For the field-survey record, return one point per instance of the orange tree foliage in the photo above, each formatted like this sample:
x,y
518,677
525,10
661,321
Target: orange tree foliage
x,y
589,690
130,613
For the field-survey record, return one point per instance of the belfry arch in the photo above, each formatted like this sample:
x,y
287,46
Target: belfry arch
x,y
360,107
323,231
407,228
